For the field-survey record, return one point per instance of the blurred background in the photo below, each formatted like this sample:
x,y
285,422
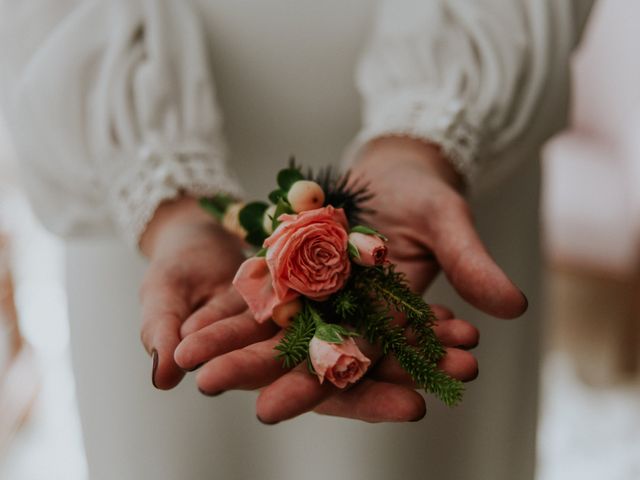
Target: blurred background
x,y
589,425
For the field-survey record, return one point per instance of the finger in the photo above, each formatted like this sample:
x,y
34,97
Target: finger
x,y
458,364
452,333
223,305
250,368
163,309
221,337
372,401
291,395
468,265
441,312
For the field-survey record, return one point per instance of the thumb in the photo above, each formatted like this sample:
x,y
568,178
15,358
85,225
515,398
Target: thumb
x,y
469,267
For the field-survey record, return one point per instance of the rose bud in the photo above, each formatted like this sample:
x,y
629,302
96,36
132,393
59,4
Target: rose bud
x,y
371,248
284,313
340,363
267,220
231,220
305,195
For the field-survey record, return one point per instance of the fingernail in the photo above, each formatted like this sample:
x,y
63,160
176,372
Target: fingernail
x,y
467,347
193,369
526,300
419,417
209,394
265,423
154,366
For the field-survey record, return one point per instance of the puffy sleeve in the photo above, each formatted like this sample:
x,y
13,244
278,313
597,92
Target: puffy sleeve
x,y
466,75
112,109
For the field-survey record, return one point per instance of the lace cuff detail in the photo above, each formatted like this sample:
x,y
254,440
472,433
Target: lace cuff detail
x,y
156,177
416,116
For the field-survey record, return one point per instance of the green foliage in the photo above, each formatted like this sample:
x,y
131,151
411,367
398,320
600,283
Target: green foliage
x,y
276,195
281,207
368,231
289,176
392,287
368,302
345,304
217,205
250,218
353,251
294,346
333,333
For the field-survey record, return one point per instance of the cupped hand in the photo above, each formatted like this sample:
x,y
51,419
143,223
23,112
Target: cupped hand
x,y
387,393
192,262
418,205
187,293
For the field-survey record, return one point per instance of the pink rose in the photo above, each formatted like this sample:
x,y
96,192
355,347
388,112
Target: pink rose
x,y
371,248
307,253
340,363
253,282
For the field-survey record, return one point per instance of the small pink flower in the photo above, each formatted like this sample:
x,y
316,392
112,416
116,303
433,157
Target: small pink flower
x,y
340,363
371,248
307,253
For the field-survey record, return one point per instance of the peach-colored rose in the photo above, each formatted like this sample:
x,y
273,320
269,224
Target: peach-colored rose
x,y
307,253
253,282
340,363
371,248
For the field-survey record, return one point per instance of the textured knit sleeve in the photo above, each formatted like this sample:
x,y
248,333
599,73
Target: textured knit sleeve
x,y
112,109
466,75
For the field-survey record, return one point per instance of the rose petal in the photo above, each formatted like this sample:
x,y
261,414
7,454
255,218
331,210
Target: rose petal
x,y
253,282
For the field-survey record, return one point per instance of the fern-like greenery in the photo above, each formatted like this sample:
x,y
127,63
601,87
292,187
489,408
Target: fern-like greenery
x,y
368,302
294,346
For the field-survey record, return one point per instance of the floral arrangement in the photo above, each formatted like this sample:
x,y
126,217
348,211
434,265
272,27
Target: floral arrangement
x,y
324,277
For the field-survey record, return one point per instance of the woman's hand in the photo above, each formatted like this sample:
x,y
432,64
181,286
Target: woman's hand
x,y
418,205
192,263
386,394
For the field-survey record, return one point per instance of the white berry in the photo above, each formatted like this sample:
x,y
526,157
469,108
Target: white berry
x,y
305,195
267,220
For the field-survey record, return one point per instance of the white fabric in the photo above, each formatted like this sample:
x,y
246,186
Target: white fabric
x,y
112,108
91,84
130,87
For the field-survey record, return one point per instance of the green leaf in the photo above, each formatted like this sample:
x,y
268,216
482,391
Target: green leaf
x,y
261,253
353,250
281,208
327,333
256,237
251,216
217,205
276,195
368,231
332,333
288,177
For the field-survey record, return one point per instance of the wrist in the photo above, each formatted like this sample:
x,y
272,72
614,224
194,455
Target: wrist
x,y
178,212
409,150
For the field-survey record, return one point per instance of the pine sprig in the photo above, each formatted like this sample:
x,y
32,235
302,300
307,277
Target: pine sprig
x,y
368,301
294,346
393,288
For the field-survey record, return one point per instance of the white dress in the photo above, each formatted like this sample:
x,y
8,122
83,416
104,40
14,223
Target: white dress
x,y
113,109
